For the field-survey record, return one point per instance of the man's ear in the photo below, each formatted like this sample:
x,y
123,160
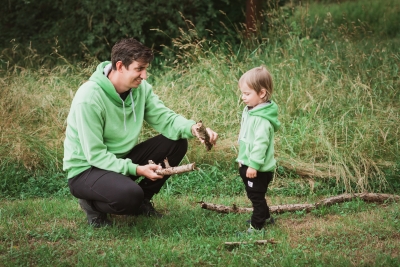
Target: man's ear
x,y
119,65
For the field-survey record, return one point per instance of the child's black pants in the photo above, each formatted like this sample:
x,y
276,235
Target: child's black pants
x,y
256,188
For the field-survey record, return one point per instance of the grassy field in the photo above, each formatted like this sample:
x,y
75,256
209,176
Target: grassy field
x,y
53,232
338,90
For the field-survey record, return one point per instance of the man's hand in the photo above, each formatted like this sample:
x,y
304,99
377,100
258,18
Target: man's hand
x,y
251,173
148,171
212,135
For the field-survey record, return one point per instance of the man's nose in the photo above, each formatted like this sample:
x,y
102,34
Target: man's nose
x,y
143,74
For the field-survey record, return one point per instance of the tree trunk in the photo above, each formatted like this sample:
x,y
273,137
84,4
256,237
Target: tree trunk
x,y
253,9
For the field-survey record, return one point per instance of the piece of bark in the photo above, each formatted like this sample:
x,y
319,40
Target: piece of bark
x,y
202,133
256,242
168,170
369,197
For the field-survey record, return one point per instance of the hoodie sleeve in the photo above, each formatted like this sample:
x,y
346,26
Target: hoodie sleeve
x,y
166,121
89,125
261,143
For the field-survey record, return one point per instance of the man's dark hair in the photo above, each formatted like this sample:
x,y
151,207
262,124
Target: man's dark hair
x,y
129,50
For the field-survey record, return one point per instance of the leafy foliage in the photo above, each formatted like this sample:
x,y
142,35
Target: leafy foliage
x,y
77,27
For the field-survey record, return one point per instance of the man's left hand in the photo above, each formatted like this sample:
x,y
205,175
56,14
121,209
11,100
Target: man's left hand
x,y
213,135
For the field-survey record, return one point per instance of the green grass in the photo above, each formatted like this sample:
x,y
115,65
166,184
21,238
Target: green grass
x,y
339,104
53,231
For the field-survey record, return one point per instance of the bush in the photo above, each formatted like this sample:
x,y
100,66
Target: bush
x,y
353,19
75,28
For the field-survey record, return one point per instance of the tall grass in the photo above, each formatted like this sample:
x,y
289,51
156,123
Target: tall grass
x,y
352,19
339,108
338,100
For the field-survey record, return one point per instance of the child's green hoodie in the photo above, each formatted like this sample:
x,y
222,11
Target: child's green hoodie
x,y
102,128
256,137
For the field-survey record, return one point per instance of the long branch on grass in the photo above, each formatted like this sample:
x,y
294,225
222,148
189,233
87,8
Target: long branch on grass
x,y
168,170
368,197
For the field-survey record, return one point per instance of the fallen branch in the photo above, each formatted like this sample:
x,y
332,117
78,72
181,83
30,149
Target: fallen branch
x,y
168,170
224,209
368,197
202,133
256,242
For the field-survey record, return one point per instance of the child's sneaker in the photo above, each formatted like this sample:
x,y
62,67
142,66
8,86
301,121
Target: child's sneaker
x,y
253,230
270,221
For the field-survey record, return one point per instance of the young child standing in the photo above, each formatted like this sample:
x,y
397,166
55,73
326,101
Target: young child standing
x,y
256,142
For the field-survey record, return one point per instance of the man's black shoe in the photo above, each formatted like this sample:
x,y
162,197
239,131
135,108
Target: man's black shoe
x,y
95,218
147,209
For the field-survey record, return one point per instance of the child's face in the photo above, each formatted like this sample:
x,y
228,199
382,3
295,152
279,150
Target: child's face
x,y
250,97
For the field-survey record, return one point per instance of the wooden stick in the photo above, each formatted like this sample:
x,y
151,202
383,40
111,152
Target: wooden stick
x,y
201,132
224,209
256,242
369,197
168,170
177,169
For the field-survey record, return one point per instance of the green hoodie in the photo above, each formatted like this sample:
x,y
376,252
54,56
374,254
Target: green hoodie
x,y
102,128
256,137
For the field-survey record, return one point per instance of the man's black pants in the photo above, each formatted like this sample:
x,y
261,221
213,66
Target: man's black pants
x,y
115,193
256,188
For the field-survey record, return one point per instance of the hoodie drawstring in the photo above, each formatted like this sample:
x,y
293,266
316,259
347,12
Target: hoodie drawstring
x,y
123,107
133,105
133,109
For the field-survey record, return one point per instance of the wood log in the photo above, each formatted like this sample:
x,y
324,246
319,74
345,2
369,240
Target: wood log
x,y
168,170
201,132
368,197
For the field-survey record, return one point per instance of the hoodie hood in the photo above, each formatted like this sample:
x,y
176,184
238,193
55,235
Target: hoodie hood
x,y
267,111
101,79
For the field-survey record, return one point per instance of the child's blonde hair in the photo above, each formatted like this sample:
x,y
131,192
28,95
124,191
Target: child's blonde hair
x,y
257,79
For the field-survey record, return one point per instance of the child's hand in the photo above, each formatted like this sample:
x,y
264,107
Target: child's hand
x,y
251,173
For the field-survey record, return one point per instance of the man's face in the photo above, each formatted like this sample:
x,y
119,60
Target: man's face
x,y
134,74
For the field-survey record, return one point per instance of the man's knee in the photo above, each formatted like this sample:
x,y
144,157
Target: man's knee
x,y
177,151
128,200
183,145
